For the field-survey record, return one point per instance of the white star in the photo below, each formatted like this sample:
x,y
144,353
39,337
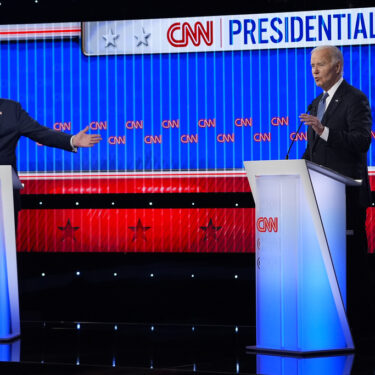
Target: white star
x,y
143,38
110,39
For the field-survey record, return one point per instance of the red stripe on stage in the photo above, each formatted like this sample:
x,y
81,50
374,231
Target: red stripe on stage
x,y
137,230
370,229
169,230
108,185
148,183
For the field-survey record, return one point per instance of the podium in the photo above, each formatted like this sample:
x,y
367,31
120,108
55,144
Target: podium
x,y
9,303
300,257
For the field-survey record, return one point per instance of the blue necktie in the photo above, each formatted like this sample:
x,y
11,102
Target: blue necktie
x,y
322,106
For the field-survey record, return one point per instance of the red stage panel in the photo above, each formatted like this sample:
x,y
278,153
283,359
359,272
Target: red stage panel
x,y
138,182
145,230
155,230
370,229
135,182
137,230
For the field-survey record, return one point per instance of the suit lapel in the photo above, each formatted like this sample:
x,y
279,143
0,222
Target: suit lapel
x,y
334,103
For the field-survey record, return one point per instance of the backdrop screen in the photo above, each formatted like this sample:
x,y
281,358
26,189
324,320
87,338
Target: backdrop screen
x,y
172,95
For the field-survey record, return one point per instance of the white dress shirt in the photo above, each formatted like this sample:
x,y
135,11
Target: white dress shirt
x,y
330,92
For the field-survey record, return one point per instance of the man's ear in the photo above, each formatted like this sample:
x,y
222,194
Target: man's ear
x,y
338,67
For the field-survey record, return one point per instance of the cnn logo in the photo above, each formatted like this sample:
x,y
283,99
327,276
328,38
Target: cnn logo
x,y
268,224
179,35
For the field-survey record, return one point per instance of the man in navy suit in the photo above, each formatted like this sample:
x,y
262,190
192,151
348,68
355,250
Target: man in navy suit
x,y
16,122
339,136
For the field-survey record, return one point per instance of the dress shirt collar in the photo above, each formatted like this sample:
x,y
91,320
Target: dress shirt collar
x,y
333,89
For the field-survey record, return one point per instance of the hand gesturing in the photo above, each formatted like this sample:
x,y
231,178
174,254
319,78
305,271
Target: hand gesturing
x,y
82,139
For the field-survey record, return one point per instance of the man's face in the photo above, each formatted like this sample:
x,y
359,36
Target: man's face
x,y
325,71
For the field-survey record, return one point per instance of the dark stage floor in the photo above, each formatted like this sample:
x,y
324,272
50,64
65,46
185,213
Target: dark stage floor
x,y
104,348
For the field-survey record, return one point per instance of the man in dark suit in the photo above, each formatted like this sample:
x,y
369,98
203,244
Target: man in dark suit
x,y
16,122
339,136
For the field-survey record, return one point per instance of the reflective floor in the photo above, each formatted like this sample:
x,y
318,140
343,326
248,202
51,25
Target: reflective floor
x,y
90,348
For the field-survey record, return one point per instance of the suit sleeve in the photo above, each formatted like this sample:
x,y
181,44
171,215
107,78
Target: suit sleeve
x,y
312,110
30,128
356,135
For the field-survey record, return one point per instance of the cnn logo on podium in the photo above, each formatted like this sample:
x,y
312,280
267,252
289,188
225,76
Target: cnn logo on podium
x,y
268,224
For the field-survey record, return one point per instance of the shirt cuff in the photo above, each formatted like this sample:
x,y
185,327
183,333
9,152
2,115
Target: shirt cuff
x,y
74,149
325,134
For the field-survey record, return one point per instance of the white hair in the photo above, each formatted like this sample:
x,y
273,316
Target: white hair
x,y
335,53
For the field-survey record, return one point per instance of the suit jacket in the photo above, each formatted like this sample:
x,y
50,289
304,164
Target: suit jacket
x,y
348,118
15,122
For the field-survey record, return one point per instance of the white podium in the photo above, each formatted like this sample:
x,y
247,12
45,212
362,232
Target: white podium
x,y
9,304
300,257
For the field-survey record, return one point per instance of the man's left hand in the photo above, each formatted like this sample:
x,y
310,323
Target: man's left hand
x,y
82,139
313,122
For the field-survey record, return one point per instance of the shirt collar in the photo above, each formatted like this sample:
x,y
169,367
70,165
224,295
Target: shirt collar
x,y
333,89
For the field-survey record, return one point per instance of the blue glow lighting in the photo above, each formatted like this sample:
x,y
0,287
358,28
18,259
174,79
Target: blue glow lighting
x,y
10,352
5,329
278,365
301,269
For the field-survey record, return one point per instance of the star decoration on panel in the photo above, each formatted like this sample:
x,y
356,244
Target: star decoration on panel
x,y
110,39
142,39
139,231
68,231
210,231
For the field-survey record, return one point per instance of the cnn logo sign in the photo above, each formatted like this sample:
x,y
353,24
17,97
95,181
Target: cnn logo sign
x,y
179,35
268,224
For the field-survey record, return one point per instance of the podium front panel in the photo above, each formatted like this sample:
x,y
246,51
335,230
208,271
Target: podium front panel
x,y
4,290
277,217
296,306
9,303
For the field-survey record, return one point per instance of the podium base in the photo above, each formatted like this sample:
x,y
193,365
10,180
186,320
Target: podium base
x,y
10,338
253,349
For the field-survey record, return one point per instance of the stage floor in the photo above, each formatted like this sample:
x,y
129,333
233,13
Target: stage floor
x,y
104,348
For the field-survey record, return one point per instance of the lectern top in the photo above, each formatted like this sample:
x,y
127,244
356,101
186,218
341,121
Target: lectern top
x,y
297,167
333,174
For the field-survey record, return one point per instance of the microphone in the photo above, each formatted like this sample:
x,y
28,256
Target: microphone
x,y
309,108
